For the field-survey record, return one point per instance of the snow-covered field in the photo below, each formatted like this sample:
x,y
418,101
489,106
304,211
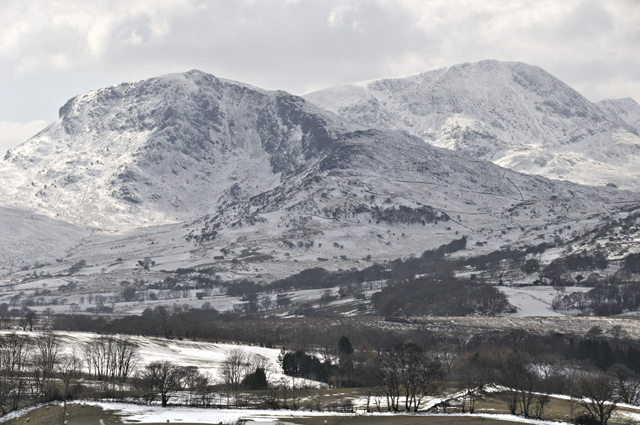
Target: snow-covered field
x,y
206,356
536,300
133,413
155,414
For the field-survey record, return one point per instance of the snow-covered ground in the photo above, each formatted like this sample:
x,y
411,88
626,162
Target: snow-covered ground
x,y
536,300
206,356
134,413
155,414
30,239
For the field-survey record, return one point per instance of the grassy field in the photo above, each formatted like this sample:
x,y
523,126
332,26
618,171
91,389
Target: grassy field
x,y
77,415
397,420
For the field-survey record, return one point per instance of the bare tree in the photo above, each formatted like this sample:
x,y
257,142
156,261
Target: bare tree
x,y
44,360
419,374
12,391
198,384
126,357
297,392
167,318
164,378
111,357
475,373
255,362
520,382
266,303
27,319
6,388
68,369
14,354
627,383
233,368
97,356
388,377
14,350
541,401
407,371
599,397
526,394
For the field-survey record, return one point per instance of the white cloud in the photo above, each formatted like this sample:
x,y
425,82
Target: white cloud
x,y
14,133
301,45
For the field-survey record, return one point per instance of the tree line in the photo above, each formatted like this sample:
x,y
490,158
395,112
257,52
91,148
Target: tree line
x,y
396,374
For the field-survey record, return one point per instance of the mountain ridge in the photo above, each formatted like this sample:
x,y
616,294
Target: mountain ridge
x,y
514,114
187,167
626,108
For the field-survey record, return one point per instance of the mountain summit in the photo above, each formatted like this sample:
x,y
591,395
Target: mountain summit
x,y
162,150
513,114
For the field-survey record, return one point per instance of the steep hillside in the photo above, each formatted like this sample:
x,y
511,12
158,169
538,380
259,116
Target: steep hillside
x,y
161,150
383,195
627,109
515,115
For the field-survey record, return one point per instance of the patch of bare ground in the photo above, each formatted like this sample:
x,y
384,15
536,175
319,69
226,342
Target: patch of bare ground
x,y
574,325
396,420
78,414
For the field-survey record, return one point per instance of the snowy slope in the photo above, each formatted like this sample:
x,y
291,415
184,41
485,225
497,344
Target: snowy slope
x,y
160,151
513,114
208,357
627,109
185,167
388,195
30,240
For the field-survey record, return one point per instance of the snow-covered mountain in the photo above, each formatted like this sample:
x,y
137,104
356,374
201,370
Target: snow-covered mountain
x,y
185,167
29,240
161,150
513,114
627,109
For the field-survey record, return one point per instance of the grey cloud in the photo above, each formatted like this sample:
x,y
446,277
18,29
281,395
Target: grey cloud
x,y
67,46
589,19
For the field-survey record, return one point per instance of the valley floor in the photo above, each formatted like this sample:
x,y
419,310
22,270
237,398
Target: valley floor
x,y
82,413
110,413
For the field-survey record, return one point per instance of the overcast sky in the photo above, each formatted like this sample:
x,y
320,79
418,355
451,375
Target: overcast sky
x,y
52,50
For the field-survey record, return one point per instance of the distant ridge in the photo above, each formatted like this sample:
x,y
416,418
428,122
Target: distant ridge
x,y
513,114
